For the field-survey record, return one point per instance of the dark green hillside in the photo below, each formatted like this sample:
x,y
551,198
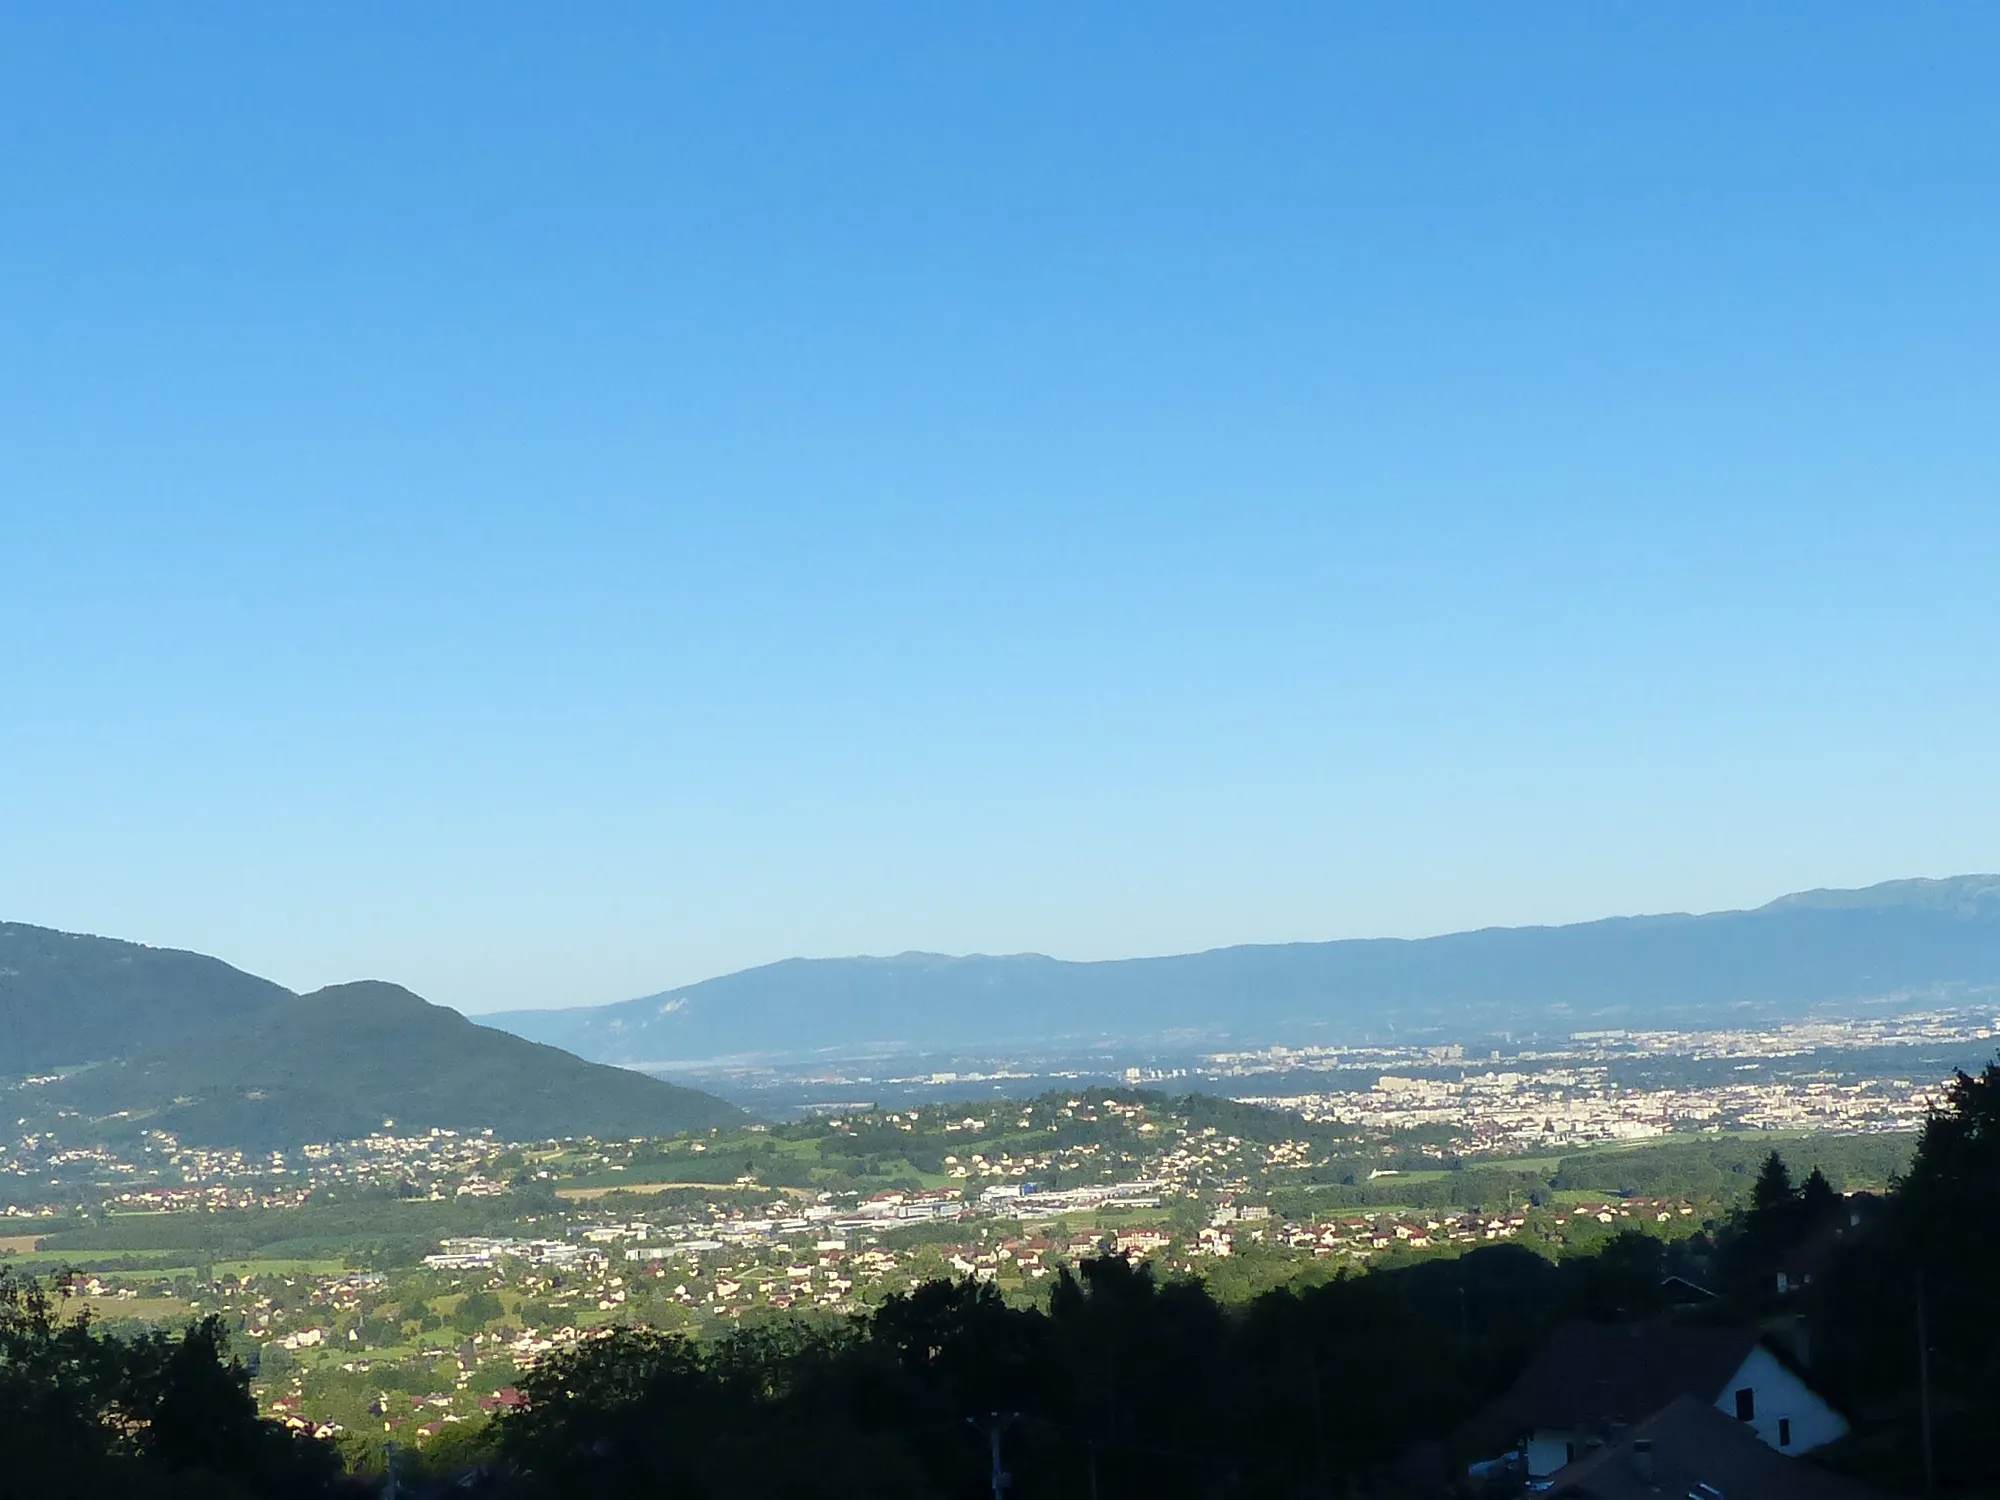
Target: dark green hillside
x,y
68,998
340,1062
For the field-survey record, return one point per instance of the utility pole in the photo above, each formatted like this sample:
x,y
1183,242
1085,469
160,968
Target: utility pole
x,y
1924,1387
1323,1469
995,1424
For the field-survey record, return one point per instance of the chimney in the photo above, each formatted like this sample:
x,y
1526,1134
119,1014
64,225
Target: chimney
x,y
1642,1460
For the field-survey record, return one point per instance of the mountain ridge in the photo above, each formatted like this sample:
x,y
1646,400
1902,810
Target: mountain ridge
x,y
61,991
133,1038
1898,939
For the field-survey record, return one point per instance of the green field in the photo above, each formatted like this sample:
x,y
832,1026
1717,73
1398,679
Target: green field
x,y
160,1262
259,1267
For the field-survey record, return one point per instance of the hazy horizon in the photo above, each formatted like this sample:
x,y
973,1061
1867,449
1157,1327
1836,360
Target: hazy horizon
x,y
588,1002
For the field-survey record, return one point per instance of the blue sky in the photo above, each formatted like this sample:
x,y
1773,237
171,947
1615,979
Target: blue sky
x,y
546,507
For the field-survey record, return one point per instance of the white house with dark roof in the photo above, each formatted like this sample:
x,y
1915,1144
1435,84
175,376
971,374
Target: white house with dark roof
x,y
1592,1380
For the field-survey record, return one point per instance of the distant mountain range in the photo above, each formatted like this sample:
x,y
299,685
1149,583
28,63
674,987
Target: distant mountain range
x,y
1905,941
150,1038
153,1038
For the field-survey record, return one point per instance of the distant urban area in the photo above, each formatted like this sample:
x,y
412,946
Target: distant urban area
x,y
389,1286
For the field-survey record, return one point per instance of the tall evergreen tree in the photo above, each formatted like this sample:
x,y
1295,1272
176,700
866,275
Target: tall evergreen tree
x,y
1774,1186
1817,1199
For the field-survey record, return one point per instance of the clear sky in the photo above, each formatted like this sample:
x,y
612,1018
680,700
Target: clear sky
x,y
547,503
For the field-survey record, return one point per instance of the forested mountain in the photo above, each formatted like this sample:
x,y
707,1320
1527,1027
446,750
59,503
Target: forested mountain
x,y
1907,940
66,997
155,1039
345,1061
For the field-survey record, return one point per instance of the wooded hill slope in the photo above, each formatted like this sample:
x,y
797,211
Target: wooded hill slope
x,y
155,1039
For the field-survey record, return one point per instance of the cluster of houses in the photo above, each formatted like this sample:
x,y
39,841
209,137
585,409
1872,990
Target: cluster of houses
x,y
1579,1105
204,1197
1362,1235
